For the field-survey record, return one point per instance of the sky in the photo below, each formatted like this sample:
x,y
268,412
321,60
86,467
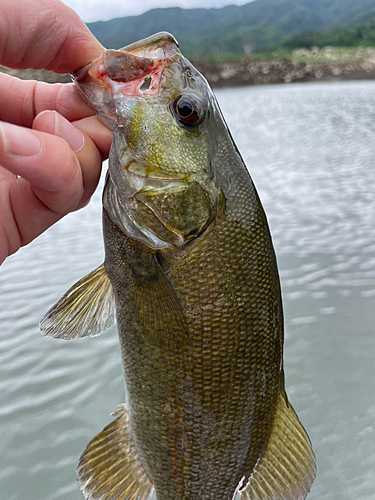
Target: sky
x,y
103,10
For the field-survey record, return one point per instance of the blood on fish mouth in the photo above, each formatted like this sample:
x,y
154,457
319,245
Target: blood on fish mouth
x,y
131,75
135,70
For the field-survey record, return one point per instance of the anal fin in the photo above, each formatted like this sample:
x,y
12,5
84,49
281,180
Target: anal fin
x,y
287,468
109,468
87,308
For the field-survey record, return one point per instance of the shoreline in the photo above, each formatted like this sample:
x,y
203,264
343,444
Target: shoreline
x,y
265,72
249,72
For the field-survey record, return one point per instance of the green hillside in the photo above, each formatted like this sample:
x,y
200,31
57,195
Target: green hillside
x,y
235,31
341,37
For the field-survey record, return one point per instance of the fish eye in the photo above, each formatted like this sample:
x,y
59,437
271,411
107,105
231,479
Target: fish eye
x,y
187,110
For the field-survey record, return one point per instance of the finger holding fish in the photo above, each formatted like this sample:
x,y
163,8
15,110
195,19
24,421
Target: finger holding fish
x,y
34,192
89,139
22,100
44,34
48,171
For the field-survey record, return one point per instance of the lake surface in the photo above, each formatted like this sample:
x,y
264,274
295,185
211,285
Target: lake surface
x,y
310,149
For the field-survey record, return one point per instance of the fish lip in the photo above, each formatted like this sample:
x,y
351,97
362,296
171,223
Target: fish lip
x,y
128,68
141,55
117,66
161,45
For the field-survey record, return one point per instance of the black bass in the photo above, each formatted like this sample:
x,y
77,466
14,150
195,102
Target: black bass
x,y
191,276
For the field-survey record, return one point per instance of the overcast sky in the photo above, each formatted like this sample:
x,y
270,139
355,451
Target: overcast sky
x,y
103,10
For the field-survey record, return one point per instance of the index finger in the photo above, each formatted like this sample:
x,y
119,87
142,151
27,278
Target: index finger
x,y
22,100
44,34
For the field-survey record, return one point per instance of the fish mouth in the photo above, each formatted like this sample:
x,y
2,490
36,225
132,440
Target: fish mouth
x,y
134,70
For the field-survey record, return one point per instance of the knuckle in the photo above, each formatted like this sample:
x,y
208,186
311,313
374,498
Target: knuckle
x,y
67,175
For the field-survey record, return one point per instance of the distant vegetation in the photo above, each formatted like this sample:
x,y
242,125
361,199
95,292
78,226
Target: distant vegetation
x,y
263,28
339,44
361,36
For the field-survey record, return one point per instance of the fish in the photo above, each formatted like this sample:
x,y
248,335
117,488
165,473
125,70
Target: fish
x,y
190,276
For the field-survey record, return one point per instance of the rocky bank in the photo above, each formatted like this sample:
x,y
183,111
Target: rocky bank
x,y
40,75
250,72
284,71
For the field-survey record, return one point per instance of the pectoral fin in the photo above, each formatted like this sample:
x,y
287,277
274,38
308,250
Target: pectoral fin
x,y
287,469
109,468
88,308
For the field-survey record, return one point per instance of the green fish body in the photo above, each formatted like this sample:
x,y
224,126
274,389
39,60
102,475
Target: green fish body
x,y
191,272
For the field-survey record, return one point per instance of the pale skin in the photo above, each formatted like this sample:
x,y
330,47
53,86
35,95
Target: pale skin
x,y
51,144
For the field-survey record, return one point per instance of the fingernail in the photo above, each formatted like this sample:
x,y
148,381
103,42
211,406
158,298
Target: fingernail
x,y
73,136
19,141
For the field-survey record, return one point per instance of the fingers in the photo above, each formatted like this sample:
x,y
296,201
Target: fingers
x,y
87,153
54,168
46,162
22,100
53,179
44,34
101,135
32,203
46,173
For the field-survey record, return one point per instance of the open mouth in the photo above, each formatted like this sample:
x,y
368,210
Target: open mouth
x,y
135,70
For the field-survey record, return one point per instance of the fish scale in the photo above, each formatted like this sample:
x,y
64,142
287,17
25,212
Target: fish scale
x,y
216,398
217,374
191,272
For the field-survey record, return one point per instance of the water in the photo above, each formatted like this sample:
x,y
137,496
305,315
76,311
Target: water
x,y
310,150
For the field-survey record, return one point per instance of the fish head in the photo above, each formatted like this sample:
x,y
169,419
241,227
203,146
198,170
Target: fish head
x,y
166,125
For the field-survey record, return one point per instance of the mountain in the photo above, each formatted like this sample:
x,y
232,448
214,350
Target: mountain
x,y
233,31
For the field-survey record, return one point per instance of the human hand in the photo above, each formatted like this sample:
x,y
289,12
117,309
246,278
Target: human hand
x,y
51,144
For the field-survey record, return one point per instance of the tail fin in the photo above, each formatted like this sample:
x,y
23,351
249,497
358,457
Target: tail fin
x,y
287,468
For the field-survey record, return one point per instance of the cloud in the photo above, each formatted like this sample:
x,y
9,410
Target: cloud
x,y
102,10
